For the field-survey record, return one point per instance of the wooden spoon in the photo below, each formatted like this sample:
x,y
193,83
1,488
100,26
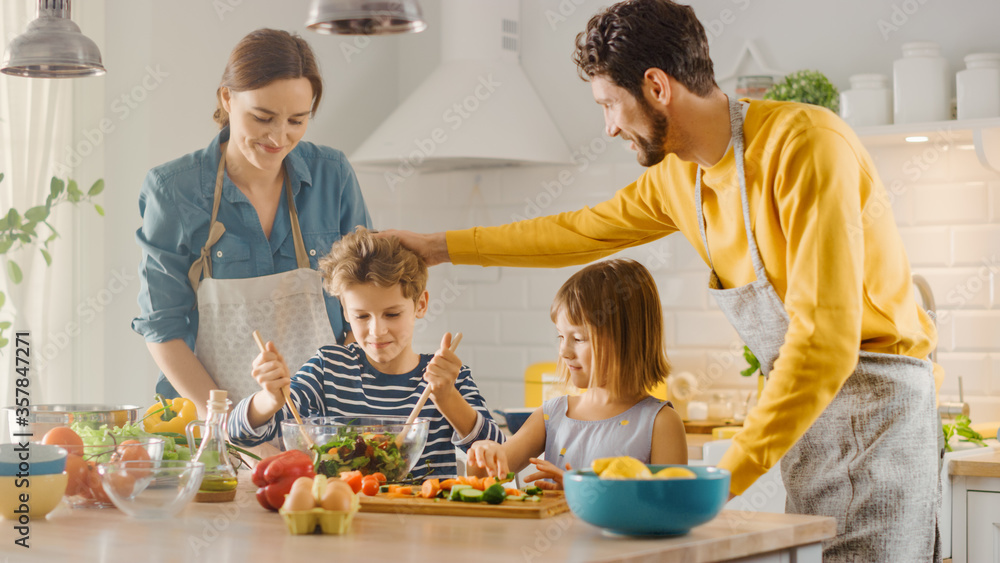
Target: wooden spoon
x,y
288,397
425,395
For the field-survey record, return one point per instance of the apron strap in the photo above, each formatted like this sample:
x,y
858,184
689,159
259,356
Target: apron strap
x,y
300,247
736,124
203,265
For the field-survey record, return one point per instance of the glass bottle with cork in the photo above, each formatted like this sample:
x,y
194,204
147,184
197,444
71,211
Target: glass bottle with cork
x,y
219,483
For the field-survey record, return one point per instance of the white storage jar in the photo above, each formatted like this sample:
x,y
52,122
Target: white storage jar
x,y
978,86
868,102
921,84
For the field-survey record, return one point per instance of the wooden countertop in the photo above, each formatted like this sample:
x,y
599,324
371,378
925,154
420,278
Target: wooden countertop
x,y
986,464
243,531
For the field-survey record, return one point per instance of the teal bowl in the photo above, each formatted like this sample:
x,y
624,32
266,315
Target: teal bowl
x,y
647,507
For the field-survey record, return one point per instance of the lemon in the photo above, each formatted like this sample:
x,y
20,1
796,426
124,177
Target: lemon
x,y
600,464
625,467
674,473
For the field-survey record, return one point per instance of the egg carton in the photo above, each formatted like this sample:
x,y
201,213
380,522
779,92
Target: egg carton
x,y
334,522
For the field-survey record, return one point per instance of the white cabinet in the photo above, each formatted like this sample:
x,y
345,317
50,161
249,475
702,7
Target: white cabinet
x,y
983,526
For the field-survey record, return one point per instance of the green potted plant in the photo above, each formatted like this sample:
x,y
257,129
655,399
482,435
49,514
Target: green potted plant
x,y
24,230
806,86
753,366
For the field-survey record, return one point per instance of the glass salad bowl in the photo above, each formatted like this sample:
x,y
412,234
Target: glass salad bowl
x,y
151,489
84,489
367,444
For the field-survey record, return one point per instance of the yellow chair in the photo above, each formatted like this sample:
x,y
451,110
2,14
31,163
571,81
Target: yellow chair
x,y
541,382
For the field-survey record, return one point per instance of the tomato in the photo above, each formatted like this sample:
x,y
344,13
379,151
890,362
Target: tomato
x,y
64,436
352,478
369,486
130,450
378,475
96,489
76,471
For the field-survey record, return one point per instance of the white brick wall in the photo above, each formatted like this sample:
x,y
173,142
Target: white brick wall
x,y
947,206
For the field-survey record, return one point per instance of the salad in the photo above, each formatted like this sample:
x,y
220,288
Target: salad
x,y
365,452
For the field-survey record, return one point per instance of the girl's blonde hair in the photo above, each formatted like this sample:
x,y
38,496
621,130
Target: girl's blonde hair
x,y
617,302
362,258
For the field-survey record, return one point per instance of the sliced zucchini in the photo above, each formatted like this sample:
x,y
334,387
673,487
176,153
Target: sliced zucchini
x,y
470,495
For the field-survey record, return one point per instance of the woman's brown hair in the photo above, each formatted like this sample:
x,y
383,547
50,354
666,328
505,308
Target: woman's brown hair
x,y
625,40
617,302
262,57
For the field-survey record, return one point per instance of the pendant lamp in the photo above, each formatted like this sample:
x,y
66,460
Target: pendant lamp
x,y
365,17
52,47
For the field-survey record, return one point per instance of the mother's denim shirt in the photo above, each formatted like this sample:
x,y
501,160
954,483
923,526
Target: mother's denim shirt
x,y
176,207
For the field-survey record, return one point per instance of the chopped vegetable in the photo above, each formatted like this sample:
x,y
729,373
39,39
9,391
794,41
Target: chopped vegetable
x,y
494,494
276,474
448,483
365,452
430,488
533,491
470,495
456,490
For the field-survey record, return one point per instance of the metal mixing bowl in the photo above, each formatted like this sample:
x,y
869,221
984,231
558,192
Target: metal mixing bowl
x,y
42,418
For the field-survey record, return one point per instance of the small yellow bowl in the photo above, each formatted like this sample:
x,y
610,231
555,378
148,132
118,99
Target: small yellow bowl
x,y
43,493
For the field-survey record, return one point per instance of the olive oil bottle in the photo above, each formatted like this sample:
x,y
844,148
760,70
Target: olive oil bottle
x,y
219,482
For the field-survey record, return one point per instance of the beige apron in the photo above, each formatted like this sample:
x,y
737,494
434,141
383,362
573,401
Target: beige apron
x,y
287,308
870,460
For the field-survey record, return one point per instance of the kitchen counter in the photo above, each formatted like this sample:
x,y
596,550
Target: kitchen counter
x,y
243,531
986,464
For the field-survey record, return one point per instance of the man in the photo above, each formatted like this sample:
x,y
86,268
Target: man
x,y
785,205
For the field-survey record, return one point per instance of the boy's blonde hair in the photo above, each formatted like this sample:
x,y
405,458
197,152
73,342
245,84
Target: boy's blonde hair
x,y
617,302
362,258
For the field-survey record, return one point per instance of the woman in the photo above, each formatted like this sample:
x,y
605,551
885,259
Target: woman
x,y
231,233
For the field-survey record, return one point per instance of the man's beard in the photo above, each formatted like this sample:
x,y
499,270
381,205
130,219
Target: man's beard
x,y
651,149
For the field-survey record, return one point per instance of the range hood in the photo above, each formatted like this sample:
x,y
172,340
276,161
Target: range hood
x,y
476,110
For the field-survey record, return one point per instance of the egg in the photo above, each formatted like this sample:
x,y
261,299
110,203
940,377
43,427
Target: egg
x,y
300,497
337,496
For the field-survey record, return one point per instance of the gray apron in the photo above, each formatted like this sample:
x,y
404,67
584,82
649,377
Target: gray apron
x,y
287,307
870,460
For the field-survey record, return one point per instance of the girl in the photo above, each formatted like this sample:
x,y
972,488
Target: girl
x,y
610,343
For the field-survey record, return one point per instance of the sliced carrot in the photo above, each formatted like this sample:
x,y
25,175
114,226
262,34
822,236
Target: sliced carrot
x,y
487,481
405,491
397,495
465,480
430,488
514,492
448,483
393,488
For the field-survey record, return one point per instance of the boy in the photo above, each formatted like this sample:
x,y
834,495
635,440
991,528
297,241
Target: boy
x,y
382,288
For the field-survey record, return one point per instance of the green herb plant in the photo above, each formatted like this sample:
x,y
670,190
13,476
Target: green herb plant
x,y
962,429
23,230
806,86
754,365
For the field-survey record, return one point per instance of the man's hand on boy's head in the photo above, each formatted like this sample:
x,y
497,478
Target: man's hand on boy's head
x,y
443,369
271,372
432,247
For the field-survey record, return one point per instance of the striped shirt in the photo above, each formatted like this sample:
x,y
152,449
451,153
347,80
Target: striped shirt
x,y
339,381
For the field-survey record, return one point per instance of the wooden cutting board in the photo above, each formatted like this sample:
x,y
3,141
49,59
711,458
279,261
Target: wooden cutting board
x,y
552,503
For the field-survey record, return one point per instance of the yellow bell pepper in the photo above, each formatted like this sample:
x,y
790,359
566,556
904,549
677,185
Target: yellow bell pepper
x,y
169,415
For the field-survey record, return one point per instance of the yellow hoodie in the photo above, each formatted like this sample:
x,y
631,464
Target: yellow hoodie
x,y
823,222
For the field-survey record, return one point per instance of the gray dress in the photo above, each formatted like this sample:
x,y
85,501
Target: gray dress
x,y
579,442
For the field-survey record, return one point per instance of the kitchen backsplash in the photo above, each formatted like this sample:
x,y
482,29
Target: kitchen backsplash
x,y
946,204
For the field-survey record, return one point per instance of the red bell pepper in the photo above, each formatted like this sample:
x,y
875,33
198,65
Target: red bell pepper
x,y
275,475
